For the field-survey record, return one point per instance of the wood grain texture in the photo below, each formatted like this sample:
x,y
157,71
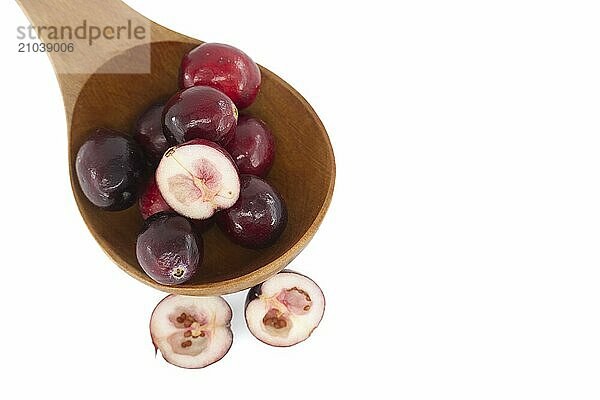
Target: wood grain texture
x,y
303,172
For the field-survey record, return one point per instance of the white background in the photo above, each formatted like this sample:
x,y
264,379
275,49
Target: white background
x,y
459,257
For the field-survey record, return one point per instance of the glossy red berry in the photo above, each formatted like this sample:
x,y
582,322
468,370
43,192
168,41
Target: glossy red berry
x,y
252,147
199,112
223,67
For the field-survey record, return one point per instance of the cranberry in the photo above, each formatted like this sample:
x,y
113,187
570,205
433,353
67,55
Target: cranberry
x,y
199,112
285,309
223,67
151,201
169,249
192,331
148,132
252,147
111,168
259,216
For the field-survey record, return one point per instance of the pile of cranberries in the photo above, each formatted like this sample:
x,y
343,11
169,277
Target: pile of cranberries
x,y
193,160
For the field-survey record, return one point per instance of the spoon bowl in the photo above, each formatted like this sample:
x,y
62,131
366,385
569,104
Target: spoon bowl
x,y
303,171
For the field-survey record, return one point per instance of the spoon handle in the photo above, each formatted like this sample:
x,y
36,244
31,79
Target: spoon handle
x,y
81,35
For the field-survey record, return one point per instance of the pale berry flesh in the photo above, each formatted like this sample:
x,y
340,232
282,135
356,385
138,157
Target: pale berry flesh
x,y
285,309
190,331
198,178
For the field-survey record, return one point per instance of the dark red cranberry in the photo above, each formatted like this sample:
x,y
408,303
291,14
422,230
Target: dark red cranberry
x,y
151,201
169,249
223,67
111,169
199,112
259,216
252,146
148,132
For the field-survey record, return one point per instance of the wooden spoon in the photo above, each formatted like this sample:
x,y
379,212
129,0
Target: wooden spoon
x,y
110,82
